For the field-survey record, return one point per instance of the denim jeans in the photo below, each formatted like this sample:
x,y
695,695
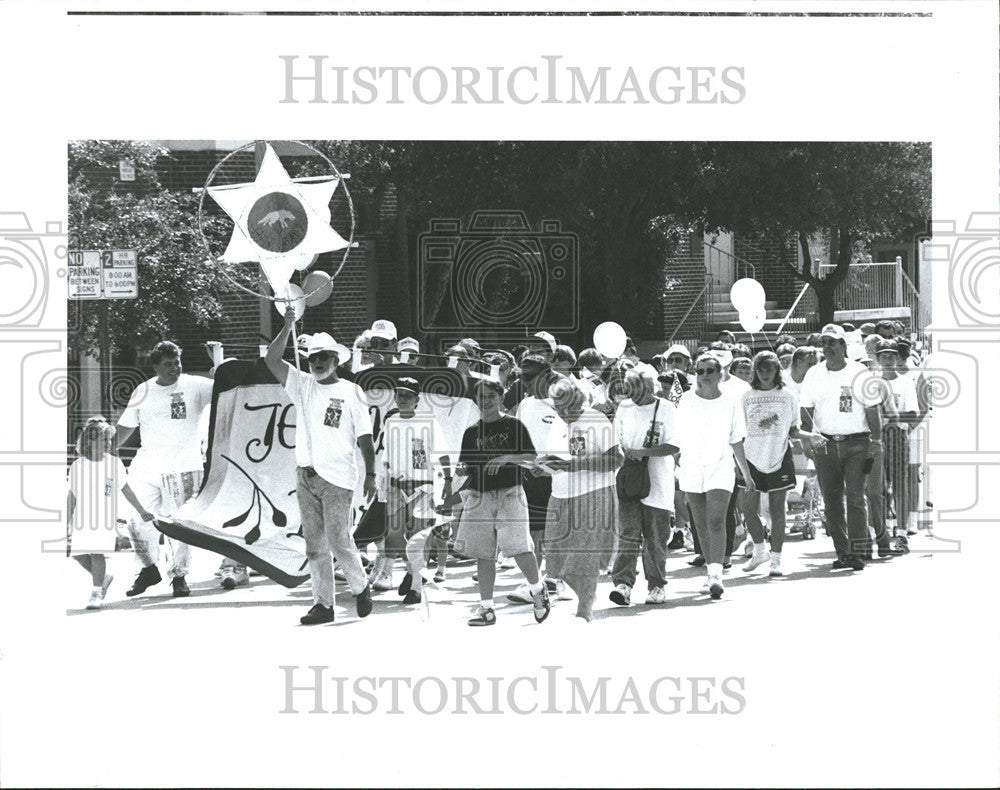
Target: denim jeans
x,y
875,494
649,528
326,527
840,468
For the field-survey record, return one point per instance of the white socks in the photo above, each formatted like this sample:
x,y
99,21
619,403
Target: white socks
x,y
486,603
715,570
536,587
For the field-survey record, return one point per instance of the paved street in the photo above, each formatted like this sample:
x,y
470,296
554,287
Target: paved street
x,y
191,692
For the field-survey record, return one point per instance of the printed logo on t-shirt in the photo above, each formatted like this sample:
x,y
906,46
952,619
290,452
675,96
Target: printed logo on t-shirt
x,y
577,443
178,409
418,454
548,419
846,400
768,422
333,412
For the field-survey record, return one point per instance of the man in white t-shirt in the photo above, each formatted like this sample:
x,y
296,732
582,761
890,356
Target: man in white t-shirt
x,y
644,427
167,469
331,420
841,403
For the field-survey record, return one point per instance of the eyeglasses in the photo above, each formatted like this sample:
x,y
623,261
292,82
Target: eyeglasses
x,y
705,371
320,357
677,359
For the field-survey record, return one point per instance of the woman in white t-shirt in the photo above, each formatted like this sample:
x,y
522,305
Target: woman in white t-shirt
x,y
771,413
710,432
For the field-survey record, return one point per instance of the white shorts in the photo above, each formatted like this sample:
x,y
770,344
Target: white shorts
x,y
699,479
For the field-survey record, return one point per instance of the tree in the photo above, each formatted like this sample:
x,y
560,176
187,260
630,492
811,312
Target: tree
x,y
177,289
614,196
855,191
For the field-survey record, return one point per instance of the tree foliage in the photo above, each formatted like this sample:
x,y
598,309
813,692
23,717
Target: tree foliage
x,y
177,289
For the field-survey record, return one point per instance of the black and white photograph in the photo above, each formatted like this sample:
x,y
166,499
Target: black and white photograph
x,y
416,401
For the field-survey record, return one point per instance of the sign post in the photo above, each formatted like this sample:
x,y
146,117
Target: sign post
x,y
102,275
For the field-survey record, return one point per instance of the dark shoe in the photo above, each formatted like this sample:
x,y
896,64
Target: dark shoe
x,y
727,565
181,590
855,563
677,541
147,577
542,607
363,601
697,561
839,565
483,616
888,551
412,596
404,586
318,614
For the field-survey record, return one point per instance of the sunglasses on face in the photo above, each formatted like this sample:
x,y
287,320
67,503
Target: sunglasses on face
x,y
676,360
705,371
320,357
380,343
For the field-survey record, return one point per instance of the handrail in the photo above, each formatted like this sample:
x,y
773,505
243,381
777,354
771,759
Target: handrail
x,y
792,309
697,298
736,259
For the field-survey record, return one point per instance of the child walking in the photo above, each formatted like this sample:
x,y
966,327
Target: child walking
x,y
95,478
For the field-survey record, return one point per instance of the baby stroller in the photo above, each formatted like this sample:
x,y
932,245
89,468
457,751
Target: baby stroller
x,y
804,503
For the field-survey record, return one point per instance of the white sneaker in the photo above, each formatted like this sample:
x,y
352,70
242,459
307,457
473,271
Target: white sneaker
x,y
656,595
621,595
96,599
506,563
108,578
521,595
748,548
688,540
227,578
756,561
775,566
381,578
705,588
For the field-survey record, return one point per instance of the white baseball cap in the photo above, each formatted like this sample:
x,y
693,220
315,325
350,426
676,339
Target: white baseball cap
x,y
384,329
408,344
547,338
322,341
677,348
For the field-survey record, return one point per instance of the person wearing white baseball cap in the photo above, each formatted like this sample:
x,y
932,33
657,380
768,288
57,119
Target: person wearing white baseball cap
x,y
384,329
332,419
677,357
838,398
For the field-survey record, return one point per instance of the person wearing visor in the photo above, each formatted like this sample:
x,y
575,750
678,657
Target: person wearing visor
x,y
332,420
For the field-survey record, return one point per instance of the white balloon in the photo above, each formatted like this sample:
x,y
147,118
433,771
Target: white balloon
x,y
317,287
747,294
296,295
303,262
610,339
752,320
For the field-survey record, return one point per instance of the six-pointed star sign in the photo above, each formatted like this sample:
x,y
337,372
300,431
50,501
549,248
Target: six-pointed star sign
x,y
276,217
